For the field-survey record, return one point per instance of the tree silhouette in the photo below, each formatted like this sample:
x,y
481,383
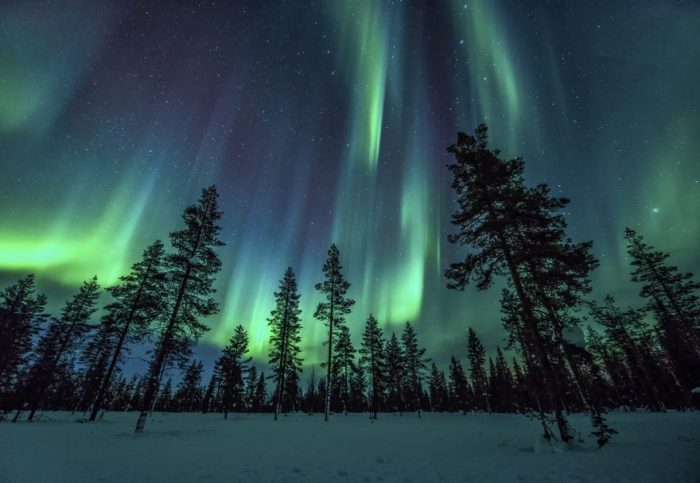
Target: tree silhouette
x,y
373,361
285,325
61,337
138,299
21,315
191,269
672,297
333,311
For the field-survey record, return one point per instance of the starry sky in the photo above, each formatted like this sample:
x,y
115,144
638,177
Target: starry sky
x,y
326,122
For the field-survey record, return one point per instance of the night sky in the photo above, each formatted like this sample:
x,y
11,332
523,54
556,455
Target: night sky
x,y
326,122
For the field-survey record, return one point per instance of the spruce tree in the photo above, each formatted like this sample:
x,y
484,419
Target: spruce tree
x,y
232,369
138,300
191,269
260,401
165,398
62,336
358,385
332,311
395,374
415,365
118,394
504,384
437,389
625,328
21,315
285,325
344,364
372,360
477,356
673,297
135,395
458,386
310,394
95,359
500,219
250,386
188,395
209,399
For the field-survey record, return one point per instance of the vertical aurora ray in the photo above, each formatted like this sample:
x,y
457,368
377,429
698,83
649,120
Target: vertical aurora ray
x,y
365,29
483,46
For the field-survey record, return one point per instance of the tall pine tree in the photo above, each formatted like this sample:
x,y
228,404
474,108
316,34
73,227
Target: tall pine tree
x,y
499,219
138,300
477,357
285,325
332,311
191,270
415,368
373,362
232,368
673,297
62,337
21,315
344,365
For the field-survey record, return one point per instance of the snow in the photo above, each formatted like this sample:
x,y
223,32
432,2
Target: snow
x,y
695,390
253,448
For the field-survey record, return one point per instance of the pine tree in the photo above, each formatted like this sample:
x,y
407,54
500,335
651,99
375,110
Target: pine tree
x,y
232,369
209,399
333,311
437,389
477,356
504,384
373,361
625,328
61,338
95,359
358,385
165,398
135,395
344,365
292,392
505,224
608,356
21,315
310,394
260,394
673,297
285,325
188,395
191,269
458,386
521,397
416,365
118,400
320,404
138,299
395,375
491,386
557,271
250,386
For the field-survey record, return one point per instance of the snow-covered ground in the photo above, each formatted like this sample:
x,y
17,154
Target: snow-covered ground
x,y
253,448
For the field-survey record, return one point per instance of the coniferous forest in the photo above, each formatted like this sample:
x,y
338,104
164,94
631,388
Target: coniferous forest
x,y
570,354
310,241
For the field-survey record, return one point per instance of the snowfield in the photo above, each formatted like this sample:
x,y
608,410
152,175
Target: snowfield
x,y
253,448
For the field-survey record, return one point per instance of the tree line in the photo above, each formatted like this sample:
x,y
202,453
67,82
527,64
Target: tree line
x,y
644,357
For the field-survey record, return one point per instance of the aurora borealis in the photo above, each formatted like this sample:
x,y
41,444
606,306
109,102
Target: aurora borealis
x,y
326,122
